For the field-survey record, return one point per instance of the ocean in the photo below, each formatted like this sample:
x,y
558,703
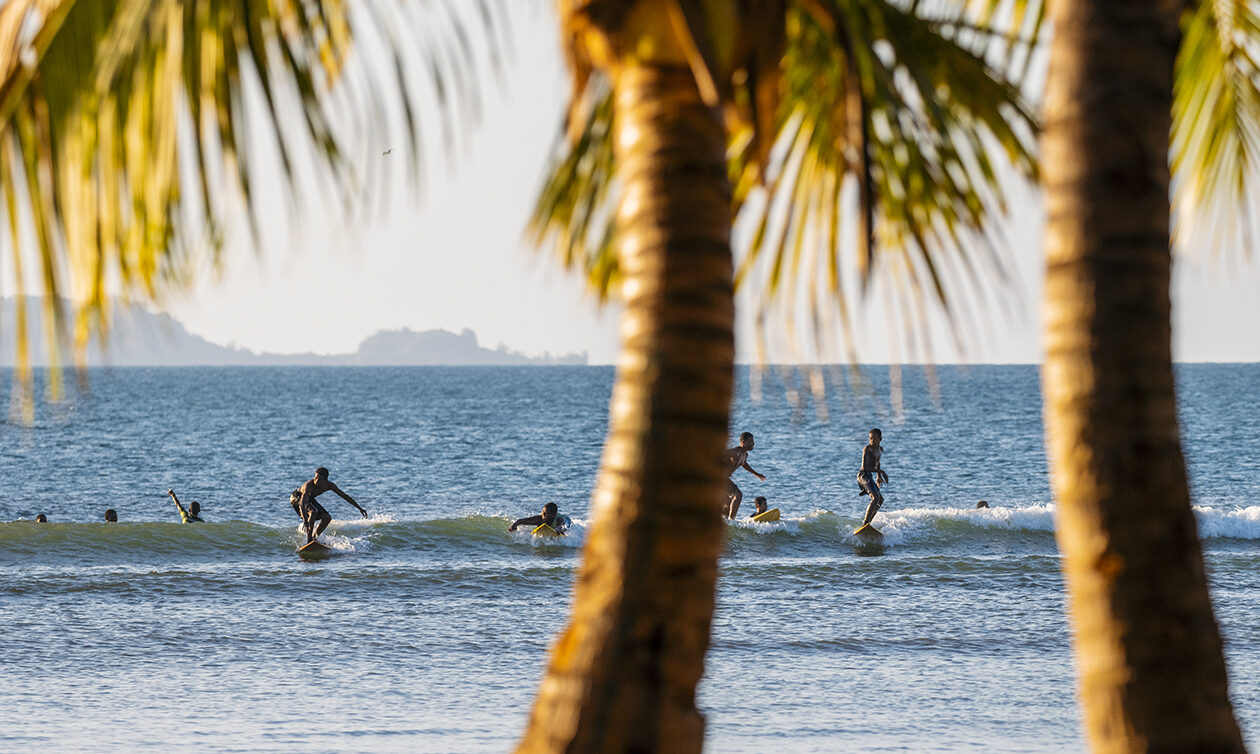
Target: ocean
x,y
428,630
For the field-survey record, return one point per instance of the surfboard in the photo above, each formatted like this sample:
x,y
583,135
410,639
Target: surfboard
x,y
770,515
315,549
543,530
868,532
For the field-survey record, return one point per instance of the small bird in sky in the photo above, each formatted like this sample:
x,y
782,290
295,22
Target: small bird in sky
x,y
387,151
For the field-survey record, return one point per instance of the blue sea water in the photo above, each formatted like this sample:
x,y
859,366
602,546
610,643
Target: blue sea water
x,y
428,630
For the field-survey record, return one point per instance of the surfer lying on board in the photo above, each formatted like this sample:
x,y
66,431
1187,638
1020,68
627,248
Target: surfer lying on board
x,y
871,476
304,502
549,517
190,515
735,458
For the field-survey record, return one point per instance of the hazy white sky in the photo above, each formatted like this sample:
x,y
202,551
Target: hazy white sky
x,y
456,258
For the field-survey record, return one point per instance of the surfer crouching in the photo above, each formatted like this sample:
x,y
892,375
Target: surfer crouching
x,y
549,517
737,457
315,518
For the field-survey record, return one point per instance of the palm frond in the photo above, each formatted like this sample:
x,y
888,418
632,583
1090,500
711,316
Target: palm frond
x,y
1216,125
129,129
855,126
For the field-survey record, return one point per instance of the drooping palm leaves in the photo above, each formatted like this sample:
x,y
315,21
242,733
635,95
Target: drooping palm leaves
x,y
863,126
1216,125
128,127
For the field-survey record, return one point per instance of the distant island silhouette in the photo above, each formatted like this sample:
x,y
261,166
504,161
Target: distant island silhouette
x,y
143,338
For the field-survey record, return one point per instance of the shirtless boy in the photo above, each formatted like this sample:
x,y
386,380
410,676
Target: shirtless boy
x,y
303,501
871,476
735,458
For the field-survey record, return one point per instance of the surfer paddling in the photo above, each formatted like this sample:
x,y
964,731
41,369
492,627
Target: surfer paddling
x,y
871,477
737,457
187,516
549,517
315,518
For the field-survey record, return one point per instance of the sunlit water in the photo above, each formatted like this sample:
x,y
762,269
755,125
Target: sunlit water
x,y
427,631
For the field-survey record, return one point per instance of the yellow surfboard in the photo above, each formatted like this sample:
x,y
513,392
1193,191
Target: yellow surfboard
x,y
770,515
868,532
543,530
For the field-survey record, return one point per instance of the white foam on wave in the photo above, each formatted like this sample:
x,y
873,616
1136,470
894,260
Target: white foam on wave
x,y
359,522
345,544
1240,523
1022,517
574,536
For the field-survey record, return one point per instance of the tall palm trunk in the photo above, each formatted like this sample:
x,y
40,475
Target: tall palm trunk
x,y
623,675
1151,667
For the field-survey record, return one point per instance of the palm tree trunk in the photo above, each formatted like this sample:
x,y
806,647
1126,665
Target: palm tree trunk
x,y
622,677
1151,667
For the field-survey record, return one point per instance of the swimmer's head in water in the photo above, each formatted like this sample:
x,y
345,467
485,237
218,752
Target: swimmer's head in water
x,y
760,502
41,519
982,504
549,511
111,515
194,507
746,441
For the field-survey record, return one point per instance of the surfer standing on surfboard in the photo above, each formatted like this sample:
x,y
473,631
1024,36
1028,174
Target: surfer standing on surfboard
x,y
735,458
304,502
871,476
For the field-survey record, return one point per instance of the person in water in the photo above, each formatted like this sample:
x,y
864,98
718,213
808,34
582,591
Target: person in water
x,y
982,504
111,516
871,477
550,516
193,514
759,503
41,519
315,518
735,458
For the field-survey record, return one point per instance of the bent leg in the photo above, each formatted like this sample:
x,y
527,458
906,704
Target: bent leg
x,y
324,520
877,499
737,496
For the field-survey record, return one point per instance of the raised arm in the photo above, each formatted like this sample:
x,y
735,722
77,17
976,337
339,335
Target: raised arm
x,y
347,498
171,492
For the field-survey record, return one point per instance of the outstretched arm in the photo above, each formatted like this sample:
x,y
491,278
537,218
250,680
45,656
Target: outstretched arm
x,y
528,521
347,498
171,492
753,471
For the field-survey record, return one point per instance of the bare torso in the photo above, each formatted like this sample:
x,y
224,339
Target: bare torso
x,y
870,458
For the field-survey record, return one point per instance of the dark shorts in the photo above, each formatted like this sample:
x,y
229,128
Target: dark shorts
x,y
866,480
311,511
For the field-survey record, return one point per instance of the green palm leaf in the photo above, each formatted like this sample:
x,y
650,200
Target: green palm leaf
x,y
1216,123
856,126
128,127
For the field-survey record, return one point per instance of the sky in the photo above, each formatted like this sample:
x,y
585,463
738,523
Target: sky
x,y
454,255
